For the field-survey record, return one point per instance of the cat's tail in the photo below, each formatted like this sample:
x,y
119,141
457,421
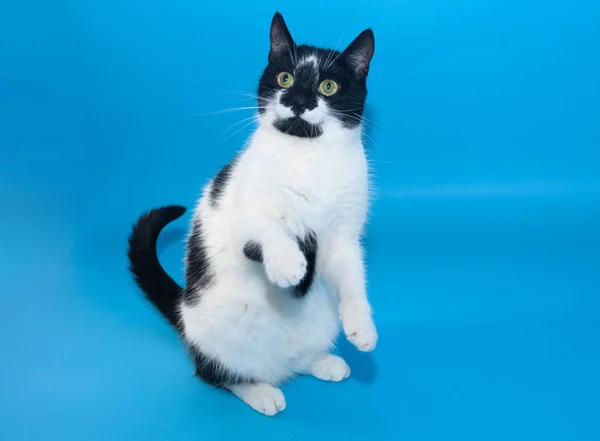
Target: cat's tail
x,y
157,285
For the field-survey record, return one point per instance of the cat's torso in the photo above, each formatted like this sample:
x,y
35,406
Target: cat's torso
x,y
243,319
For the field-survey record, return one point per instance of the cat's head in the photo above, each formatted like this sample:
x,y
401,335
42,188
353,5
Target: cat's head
x,y
305,89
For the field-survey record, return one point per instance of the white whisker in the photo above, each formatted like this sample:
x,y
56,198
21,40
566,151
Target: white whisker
x,y
250,95
355,118
295,53
289,47
254,119
233,109
326,65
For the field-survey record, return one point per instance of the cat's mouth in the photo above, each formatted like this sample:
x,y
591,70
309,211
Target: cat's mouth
x,y
296,126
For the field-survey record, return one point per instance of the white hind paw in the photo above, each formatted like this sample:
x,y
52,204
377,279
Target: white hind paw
x,y
262,397
330,368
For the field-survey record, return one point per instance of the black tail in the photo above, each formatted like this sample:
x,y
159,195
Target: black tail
x,y
150,276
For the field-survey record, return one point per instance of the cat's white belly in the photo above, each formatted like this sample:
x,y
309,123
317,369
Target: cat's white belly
x,y
261,331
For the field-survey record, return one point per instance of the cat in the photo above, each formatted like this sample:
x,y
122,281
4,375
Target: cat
x,y
273,257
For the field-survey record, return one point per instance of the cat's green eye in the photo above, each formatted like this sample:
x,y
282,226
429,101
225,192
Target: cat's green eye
x,y
285,80
328,87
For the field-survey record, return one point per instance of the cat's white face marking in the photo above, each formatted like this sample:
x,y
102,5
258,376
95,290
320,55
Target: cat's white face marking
x,y
281,111
318,115
310,59
315,116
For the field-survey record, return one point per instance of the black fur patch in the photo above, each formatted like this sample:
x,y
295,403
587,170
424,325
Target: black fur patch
x,y
220,182
198,272
308,245
199,276
298,127
213,372
253,251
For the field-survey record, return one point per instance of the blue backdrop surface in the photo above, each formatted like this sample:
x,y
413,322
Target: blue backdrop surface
x,y
483,245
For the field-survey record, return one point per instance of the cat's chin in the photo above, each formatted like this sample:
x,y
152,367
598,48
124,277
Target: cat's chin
x,y
296,126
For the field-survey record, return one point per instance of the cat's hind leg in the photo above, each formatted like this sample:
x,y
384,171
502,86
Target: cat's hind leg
x,y
326,367
262,397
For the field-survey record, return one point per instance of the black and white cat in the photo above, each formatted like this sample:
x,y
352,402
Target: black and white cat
x,y
273,258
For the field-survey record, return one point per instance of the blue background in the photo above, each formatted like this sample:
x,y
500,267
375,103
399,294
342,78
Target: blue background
x,y
483,246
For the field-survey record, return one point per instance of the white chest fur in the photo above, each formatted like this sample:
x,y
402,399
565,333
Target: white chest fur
x,y
315,184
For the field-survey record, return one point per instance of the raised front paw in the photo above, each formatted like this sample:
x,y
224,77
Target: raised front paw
x,y
285,266
361,332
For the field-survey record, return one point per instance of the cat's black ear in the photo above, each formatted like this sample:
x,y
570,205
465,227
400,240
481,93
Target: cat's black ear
x,y
359,53
281,39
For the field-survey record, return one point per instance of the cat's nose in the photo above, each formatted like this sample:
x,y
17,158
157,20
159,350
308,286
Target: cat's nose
x,y
299,104
298,108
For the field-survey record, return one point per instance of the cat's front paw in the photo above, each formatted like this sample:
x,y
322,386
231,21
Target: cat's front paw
x,y
361,332
285,266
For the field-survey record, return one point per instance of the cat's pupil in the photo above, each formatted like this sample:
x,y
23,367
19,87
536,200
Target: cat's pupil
x,y
286,78
328,86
